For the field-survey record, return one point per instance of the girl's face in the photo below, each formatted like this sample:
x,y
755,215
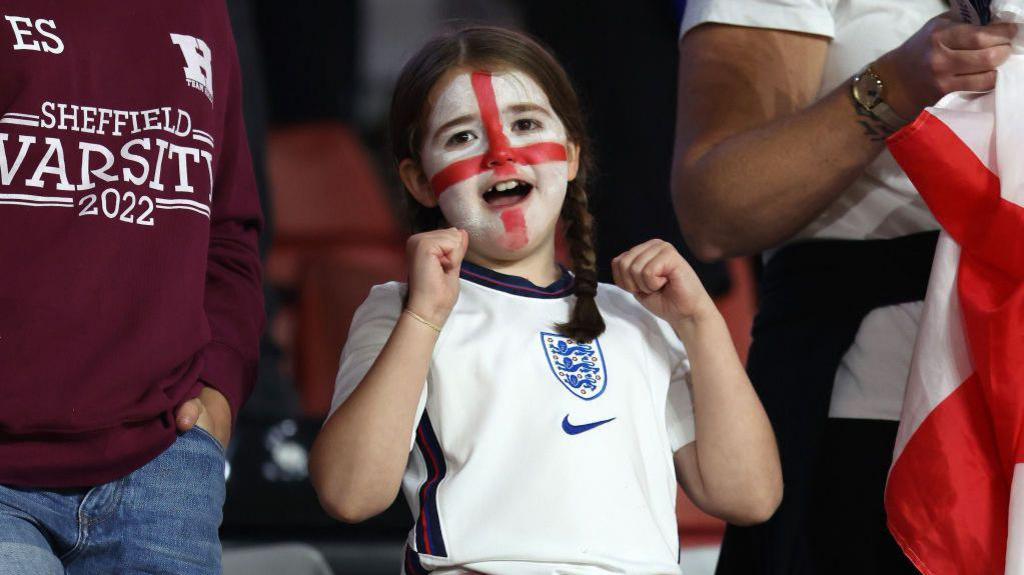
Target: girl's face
x,y
498,161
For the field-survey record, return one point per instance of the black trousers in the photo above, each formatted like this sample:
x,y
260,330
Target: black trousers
x,y
852,537
814,296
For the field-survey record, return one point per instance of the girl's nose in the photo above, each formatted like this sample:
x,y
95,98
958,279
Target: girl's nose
x,y
497,156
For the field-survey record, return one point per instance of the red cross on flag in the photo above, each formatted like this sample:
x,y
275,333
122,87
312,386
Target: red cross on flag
x,y
955,494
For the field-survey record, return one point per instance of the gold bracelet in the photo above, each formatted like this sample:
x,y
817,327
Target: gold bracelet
x,y
421,320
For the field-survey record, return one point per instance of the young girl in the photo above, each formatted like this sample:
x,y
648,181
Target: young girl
x,y
536,420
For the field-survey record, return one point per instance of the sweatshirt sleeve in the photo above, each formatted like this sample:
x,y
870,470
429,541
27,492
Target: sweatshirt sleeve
x,y
234,296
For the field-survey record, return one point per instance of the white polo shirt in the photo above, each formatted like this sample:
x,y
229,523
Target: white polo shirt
x,y
881,204
534,454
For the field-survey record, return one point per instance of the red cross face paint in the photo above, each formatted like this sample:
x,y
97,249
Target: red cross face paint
x,y
495,154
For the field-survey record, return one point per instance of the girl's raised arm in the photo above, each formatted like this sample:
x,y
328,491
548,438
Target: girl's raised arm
x,y
359,457
732,470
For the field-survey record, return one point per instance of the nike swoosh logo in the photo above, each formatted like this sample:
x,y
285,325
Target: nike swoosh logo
x,y
577,429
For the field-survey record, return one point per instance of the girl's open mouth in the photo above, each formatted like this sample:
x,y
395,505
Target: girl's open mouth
x,y
507,193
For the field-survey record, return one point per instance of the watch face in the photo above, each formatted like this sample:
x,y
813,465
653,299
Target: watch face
x,y
868,90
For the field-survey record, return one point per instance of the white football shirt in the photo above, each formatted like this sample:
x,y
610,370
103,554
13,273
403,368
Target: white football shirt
x,y
881,204
532,453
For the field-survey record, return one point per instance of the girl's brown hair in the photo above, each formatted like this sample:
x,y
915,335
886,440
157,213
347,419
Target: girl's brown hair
x,y
494,49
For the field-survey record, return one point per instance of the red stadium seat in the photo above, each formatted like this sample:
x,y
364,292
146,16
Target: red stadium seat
x,y
740,304
333,288
696,528
335,235
326,193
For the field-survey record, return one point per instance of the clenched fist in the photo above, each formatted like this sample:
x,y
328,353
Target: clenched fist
x,y
435,258
662,281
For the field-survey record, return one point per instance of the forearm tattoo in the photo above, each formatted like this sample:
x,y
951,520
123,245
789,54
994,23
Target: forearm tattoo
x,y
875,129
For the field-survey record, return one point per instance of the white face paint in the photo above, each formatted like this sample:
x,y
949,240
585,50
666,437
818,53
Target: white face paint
x,y
495,153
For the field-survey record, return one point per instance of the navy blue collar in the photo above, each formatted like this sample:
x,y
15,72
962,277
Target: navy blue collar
x,y
516,285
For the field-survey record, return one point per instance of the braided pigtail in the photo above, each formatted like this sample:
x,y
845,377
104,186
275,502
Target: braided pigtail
x,y
585,322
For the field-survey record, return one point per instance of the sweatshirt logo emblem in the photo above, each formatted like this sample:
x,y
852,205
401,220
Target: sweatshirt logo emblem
x,y
198,63
579,367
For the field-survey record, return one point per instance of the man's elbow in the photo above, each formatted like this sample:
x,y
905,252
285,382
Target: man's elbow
x,y
697,224
702,243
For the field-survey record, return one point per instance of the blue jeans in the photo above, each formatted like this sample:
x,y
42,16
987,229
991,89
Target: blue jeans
x,y
160,519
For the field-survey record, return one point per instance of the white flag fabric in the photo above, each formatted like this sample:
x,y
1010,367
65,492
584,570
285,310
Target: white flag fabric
x,y
955,494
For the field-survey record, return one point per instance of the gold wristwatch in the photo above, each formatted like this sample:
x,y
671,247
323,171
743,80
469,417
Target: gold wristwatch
x,y
868,91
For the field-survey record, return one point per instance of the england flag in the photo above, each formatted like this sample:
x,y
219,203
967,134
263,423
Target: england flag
x,y
955,494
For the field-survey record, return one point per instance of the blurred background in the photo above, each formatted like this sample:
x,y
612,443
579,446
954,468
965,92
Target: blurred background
x,y
318,79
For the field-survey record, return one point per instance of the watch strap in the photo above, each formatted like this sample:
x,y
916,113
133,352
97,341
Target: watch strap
x,y
888,116
880,109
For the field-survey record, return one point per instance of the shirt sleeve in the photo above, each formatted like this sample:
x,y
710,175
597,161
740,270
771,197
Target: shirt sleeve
x,y
371,327
233,298
679,421
806,16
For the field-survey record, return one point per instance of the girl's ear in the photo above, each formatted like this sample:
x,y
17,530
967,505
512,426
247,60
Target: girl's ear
x,y
573,157
416,182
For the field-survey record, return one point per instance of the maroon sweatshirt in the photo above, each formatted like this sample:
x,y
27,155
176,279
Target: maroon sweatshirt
x,y
129,273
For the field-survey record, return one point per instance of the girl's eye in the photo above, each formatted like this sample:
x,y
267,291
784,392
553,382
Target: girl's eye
x,y
460,138
526,125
